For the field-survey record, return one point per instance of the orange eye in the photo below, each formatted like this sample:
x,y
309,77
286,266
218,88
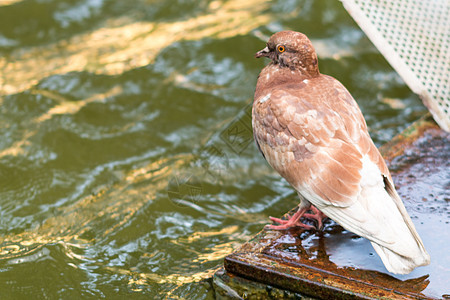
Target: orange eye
x,y
281,49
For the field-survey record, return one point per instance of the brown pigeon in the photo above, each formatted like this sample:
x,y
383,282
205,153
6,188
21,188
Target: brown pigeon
x,y
310,130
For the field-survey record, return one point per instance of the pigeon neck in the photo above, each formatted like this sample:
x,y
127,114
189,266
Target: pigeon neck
x,y
274,75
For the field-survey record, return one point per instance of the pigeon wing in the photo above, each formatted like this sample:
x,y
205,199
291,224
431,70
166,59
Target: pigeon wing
x,y
311,145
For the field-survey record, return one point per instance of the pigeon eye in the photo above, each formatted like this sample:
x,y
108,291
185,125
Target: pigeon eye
x,y
281,49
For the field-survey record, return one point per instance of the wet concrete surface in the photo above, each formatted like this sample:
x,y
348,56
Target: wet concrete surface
x,y
339,264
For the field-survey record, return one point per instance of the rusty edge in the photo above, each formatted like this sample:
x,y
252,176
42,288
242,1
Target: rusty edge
x,y
307,280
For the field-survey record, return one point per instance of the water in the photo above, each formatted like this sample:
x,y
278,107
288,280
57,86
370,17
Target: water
x,y
126,160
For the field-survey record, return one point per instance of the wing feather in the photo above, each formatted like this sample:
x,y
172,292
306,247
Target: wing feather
x,y
317,137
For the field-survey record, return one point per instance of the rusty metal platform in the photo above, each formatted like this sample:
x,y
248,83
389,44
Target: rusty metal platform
x,y
337,264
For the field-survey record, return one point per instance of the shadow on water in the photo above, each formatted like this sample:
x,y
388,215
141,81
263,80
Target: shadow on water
x,y
126,160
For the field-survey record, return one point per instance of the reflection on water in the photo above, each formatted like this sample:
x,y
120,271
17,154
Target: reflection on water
x,y
8,2
123,44
126,160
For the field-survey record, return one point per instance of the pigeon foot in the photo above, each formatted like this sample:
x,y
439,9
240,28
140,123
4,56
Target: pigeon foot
x,y
294,221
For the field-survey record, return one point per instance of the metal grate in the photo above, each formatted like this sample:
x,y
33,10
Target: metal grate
x,y
414,37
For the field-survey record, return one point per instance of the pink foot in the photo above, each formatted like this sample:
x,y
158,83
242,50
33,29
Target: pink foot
x,y
294,221
316,215
286,224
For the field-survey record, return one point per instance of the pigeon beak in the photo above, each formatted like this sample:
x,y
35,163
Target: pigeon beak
x,y
263,53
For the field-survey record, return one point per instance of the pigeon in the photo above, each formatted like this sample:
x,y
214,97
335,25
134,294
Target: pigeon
x,y
311,131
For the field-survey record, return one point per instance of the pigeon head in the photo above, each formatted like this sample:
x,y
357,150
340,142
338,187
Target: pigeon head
x,y
290,49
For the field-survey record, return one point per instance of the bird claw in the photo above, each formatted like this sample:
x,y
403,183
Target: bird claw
x,y
295,221
277,220
316,215
288,226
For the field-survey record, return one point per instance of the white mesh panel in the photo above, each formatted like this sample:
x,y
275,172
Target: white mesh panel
x,y
414,37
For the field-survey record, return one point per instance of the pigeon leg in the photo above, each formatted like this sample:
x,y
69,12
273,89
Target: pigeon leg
x,y
293,221
316,215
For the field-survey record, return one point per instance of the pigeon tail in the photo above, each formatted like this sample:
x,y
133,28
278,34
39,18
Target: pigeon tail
x,y
418,256
399,264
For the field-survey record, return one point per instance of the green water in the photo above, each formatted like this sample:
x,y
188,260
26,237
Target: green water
x,y
126,159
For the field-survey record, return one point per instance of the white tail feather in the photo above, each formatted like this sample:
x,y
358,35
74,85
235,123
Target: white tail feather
x,y
400,264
